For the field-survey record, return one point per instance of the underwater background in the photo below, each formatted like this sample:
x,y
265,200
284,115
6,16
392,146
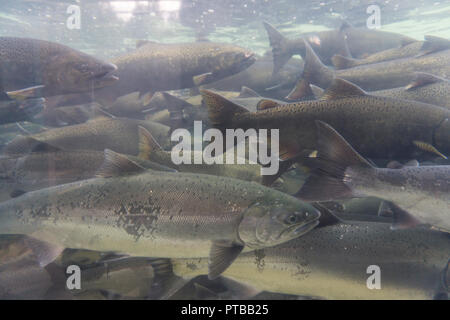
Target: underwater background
x,y
307,259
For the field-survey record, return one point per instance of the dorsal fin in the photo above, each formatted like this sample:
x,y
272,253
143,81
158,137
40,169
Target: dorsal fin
x,y
116,164
264,104
422,79
246,92
147,144
301,90
327,218
433,44
341,88
220,109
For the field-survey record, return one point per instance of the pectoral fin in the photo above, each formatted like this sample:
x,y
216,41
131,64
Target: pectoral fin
x,y
221,256
423,79
116,164
221,111
147,144
429,148
202,78
402,219
44,252
27,93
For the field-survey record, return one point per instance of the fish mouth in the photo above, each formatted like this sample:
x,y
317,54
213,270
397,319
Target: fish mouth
x,y
300,229
106,74
306,227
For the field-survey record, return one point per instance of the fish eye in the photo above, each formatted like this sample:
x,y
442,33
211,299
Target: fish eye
x,y
84,68
292,218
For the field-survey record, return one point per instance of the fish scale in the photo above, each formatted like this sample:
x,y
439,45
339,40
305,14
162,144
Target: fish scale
x,y
331,263
379,127
156,214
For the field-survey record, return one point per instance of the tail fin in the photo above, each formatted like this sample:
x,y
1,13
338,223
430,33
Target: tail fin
x,y
335,155
341,62
314,72
280,48
220,110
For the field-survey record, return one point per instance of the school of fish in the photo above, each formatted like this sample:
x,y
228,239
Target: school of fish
x,y
88,176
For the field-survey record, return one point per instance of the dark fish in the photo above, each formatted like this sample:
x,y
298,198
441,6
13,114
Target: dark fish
x,y
405,51
30,62
345,41
160,67
380,127
382,75
419,194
